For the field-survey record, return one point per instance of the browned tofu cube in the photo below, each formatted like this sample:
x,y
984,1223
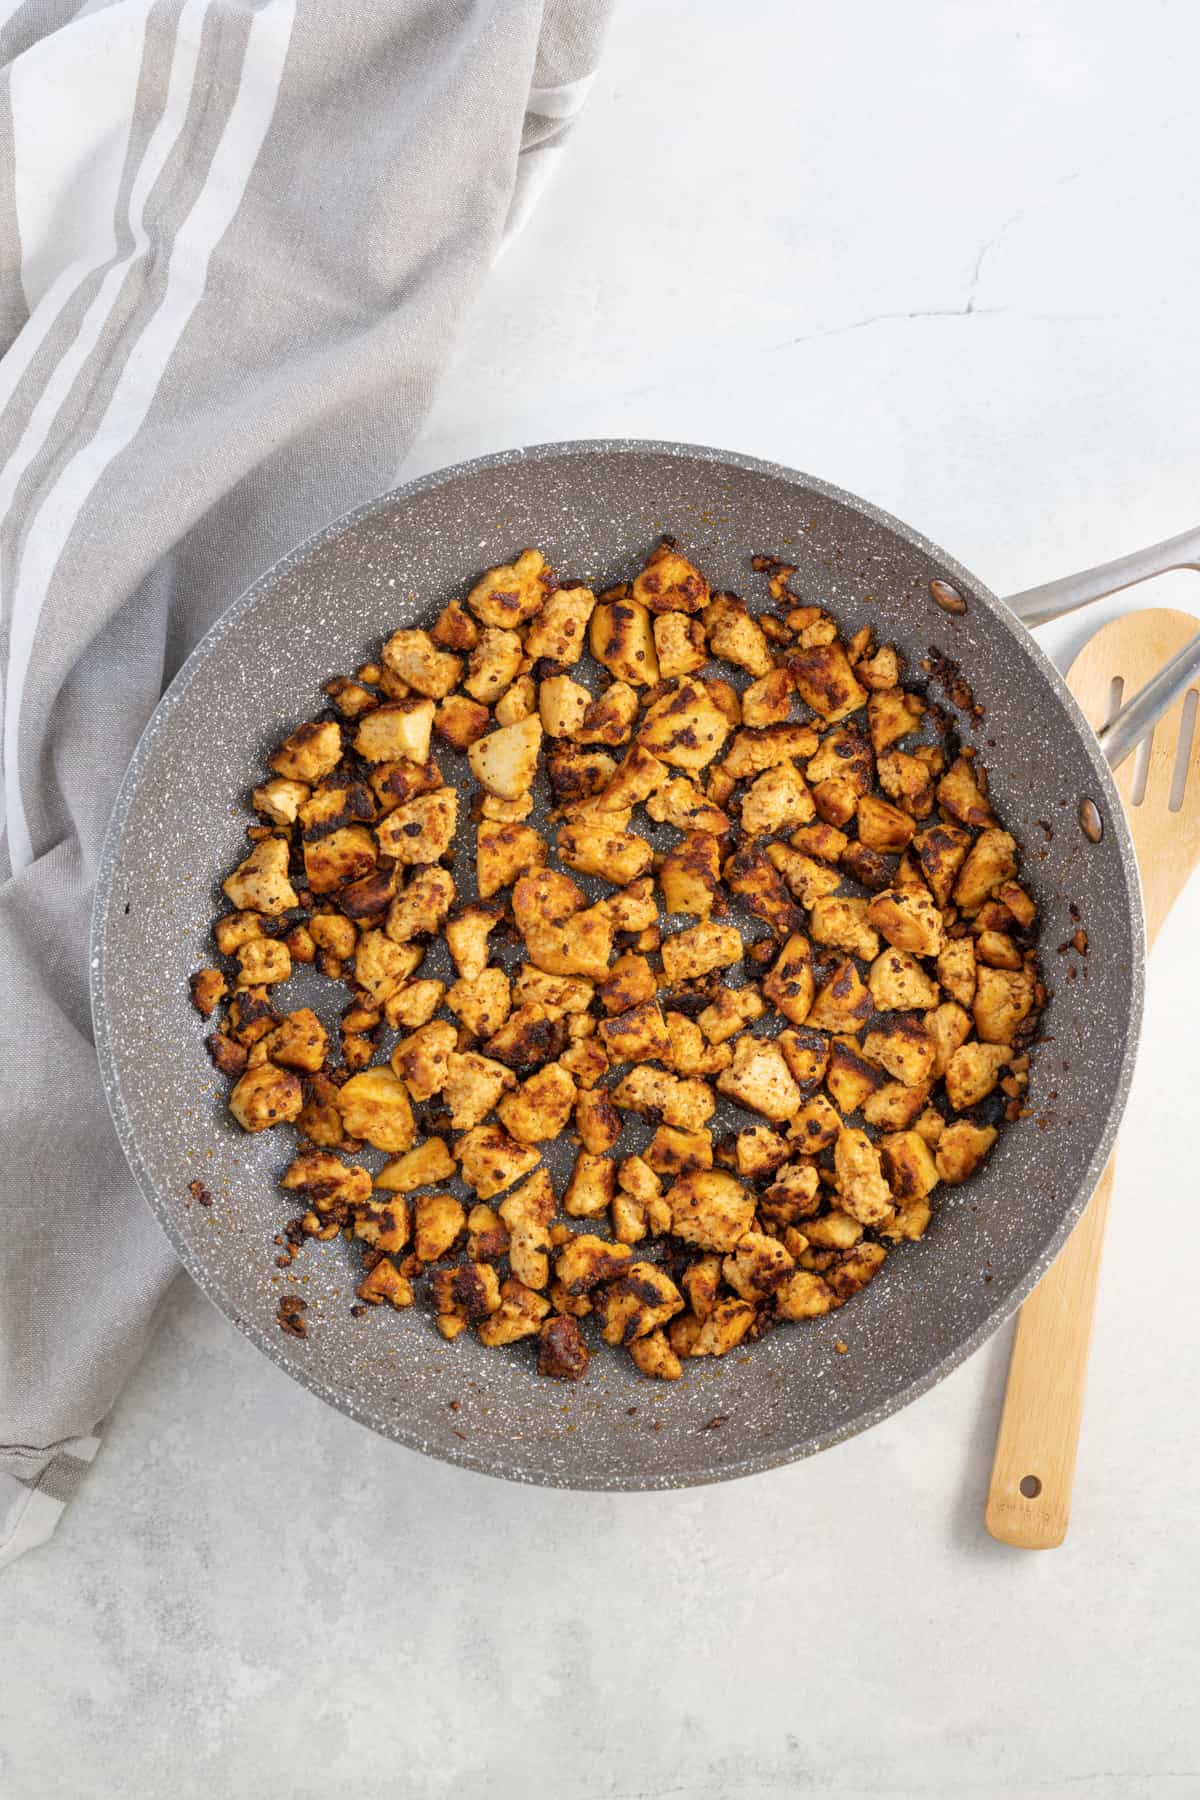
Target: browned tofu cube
x,y
260,884
759,1078
209,987
416,660
760,1151
972,1072
962,794
991,862
826,682
374,1105
280,800
610,719
670,583
386,1283
505,761
680,645
803,1295
596,1120
311,751
778,800
736,636
298,1041
519,1315
512,592
894,1107
421,1061
806,1053
399,728
490,1161
421,830
842,922
584,1261
941,851
891,715
460,720
909,920
751,876
768,701
673,1152
755,1269
732,1008
621,637
266,1096
947,1026
593,847
961,1149
638,1035
863,1192
711,1209
689,875
641,1300
850,1076
956,969
907,780
723,1330
842,1004
897,981
1004,999
908,1165
882,826
807,878
699,949
654,1356
903,1047
526,1215
815,1125
540,1107
683,725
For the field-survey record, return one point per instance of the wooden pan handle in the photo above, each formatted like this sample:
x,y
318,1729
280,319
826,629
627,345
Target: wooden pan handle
x,y
1029,1499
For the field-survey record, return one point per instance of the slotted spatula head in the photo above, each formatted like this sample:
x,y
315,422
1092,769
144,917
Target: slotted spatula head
x,y
1160,783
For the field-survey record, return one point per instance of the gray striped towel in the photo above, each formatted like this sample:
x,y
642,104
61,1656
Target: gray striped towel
x,y
236,242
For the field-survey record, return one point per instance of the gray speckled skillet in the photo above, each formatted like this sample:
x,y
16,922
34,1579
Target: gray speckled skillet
x,y
596,508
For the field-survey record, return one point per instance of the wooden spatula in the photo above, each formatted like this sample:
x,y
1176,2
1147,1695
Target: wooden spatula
x,y
1029,1499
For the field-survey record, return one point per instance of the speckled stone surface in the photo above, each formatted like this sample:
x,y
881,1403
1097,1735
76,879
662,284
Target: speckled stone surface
x,y
596,509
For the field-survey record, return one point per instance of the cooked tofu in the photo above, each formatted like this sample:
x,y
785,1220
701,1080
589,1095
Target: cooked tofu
x,y
1004,999
778,800
807,878
673,1152
842,922
421,1061
209,987
591,1187
260,883
711,1209
697,950
483,1004
843,1002
299,1041
279,800
455,628
670,583
961,1148
386,1225
504,852
894,1107
596,1120
464,1295
512,592
683,725
621,637
891,715
416,659
423,1165
460,721
382,967
907,780
882,826
562,1352
562,705
558,994
324,1182
339,857
487,1234
399,728
752,751
768,701
998,950
908,920
904,1048
395,783
654,1356
689,875
755,1269
628,983
759,1078
803,1295
691,1053
638,1035
908,1166
519,1315
641,1300
526,1214
752,877
420,910
558,631
863,1192
592,847
266,1096
310,753
723,1330
732,1008
736,636
516,702
634,908
815,1125
610,719
897,981
972,1072
760,1151
490,1161
505,761
232,930
941,851
421,830
680,644
374,1105
991,862
471,1087
438,1222
962,793
851,1077
467,935
826,682
956,969
540,1107
493,664
529,1037
585,1261
386,1283
806,1053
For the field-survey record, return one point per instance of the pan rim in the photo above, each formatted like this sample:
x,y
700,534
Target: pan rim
x,y
500,1467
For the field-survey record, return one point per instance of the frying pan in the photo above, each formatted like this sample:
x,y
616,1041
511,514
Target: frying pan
x,y
596,508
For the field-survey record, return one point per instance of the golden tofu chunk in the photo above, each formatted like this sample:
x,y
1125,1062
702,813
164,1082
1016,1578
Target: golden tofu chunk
x,y
732,1008
961,1149
760,1151
209,987
778,800
467,935
736,636
438,1222
621,637
826,682
591,1187
803,1295
517,701
399,728
422,830
526,1214
897,981
941,851
487,1234
835,1231
972,1072
422,1166
654,1356
323,1181
260,883
752,751
723,1330
455,628
504,852
863,1192
850,1076
815,1125
641,1300
310,753
683,725
472,1086
385,1226
374,1105
882,826
610,719
386,1283
280,800
673,1152
266,1096
519,1315
234,929
842,922
505,761
422,1060
460,721
339,857
512,592
540,1107
854,1269
382,967
880,670
711,1209
806,1054
768,701
558,994
956,969
596,1120
592,847
562,705
908,1165
529,1037
998,950
844,756
483,1004
891,715
638,1035
420,910
894,1107
395,783
628,983
991,862
807,878
680,645
842,1004
759,1078
299,1042
904,1048
962,794
490,1161
638,1179
467,1293
1004,999
947,1026
906,779
795,1191
584,1261
415,659
578,775
634,908
639,776
699,949
752,877
908,919
689,875
691,1053
755,1269
558,631
670,583
493,664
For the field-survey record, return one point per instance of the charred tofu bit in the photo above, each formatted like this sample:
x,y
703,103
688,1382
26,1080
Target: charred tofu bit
x,y
897,982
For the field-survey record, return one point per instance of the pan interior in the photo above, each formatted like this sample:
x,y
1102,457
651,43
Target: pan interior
x,y
596,509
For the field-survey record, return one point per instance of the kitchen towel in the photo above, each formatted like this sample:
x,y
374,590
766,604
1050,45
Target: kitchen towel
x,y
236,243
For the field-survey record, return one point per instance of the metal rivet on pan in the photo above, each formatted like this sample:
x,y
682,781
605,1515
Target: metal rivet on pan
x,y
948,598
1090,821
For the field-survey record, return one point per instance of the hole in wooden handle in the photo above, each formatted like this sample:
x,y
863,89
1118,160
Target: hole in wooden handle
x,y
1030,1486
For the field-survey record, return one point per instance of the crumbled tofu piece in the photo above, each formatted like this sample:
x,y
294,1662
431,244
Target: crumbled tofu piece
x,y
493,664
505,761
596,1120
843,923
628,983
562,704
416,659
384,1225
680,644
710,1209
683,725
898,981
421,830
641,1300
460,721
310,753
1004,999
299,1042
826,682
584,1261
908,920
735,635
562,1352
381,967
558,994
465,1294
505,852
339,857
654,1356
689,875
637,1035
395,783
591,1187
760,1151
234,929
670,583
540,1107
420,910
904,1048
386,1283
280,800
892,714
807,878
592,847
621,637
850,1076
956,970
634,908
209,987
682,804
673,1152
894,1107
947,1026
610,719
961,1148
778,800
421,1061
755,1269
266,1096
806,1053
519,1315
471,1087
732,1008
438,1222
882,826
323,1181
455,628
487,1234
696,951
426,1163
529,1037
842,1004
962,793
483,1004
722,1331
526,1214
374,1105
399,728
512,592
260,883
490,1161
691,1053
815,1125
908,1166
972,1072
835,1231
803,1295
864,1193
768,701
941,851
759,1078
991,861
558,631
907,780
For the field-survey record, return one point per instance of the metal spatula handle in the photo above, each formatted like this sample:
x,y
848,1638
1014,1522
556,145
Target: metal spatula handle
x,y
1141,713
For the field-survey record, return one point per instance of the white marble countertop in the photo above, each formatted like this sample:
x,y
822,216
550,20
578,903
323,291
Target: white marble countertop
x,y
946,256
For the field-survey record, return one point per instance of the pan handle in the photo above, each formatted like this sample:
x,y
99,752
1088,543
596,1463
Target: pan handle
x,y
1038,605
